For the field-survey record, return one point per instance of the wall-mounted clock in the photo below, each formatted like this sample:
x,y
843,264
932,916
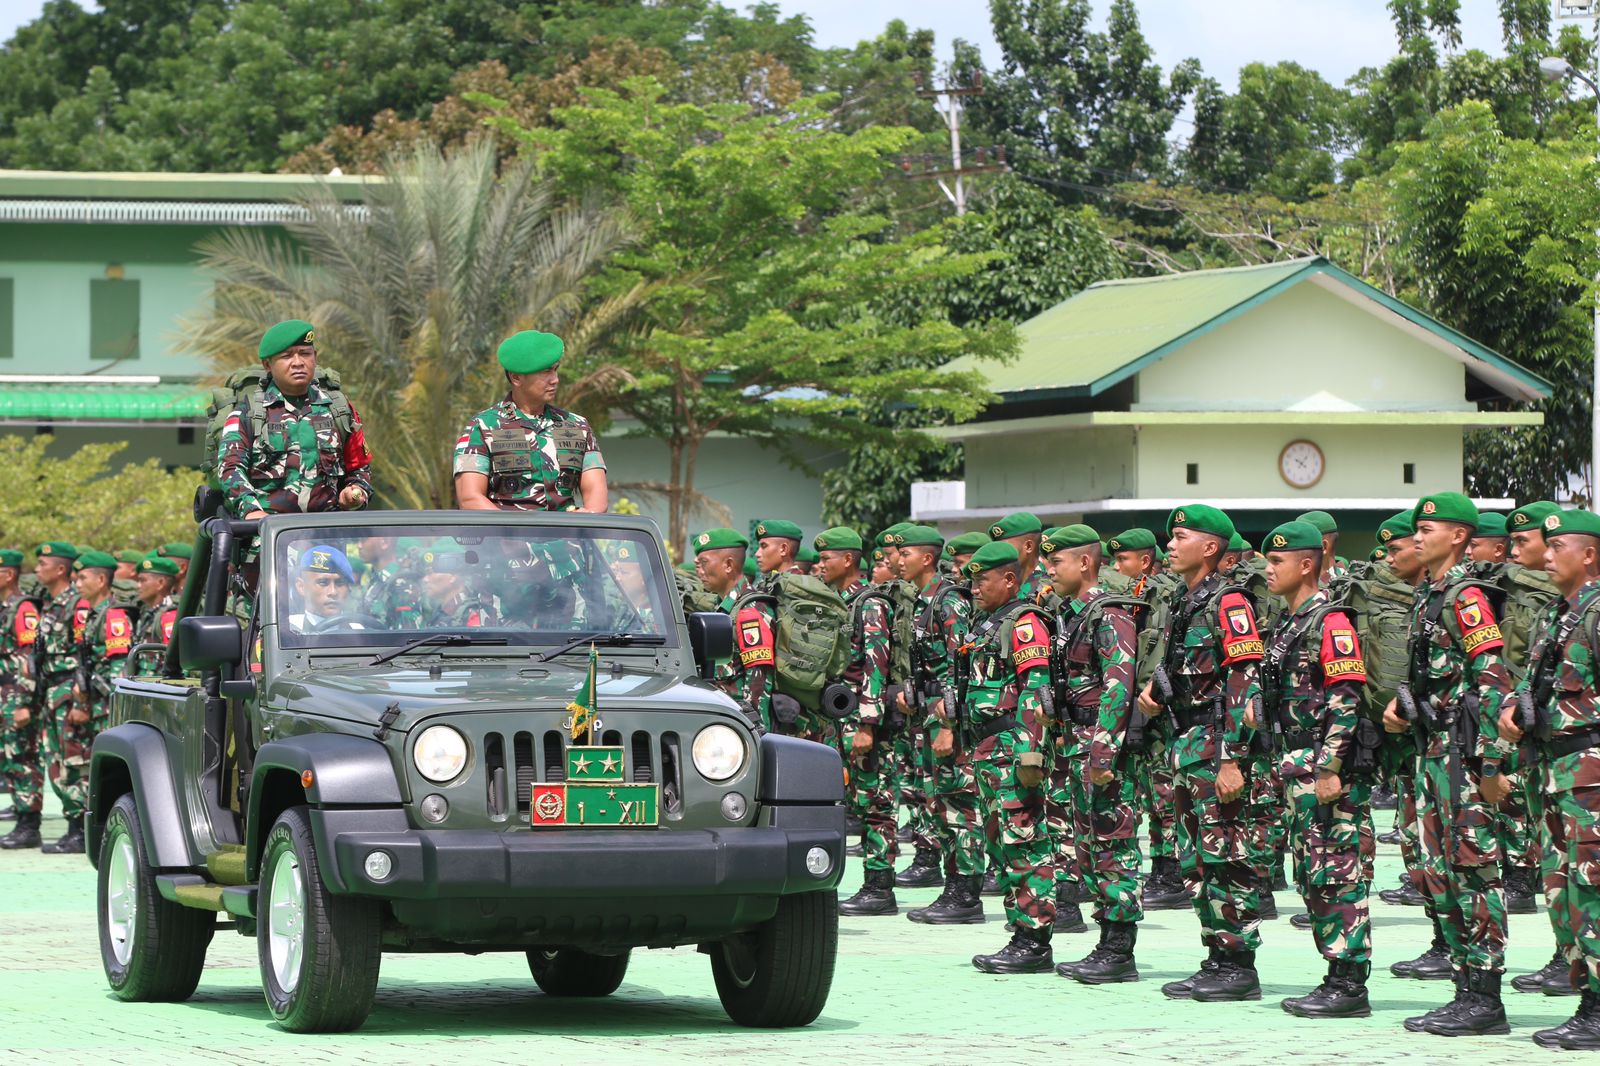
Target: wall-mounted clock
x,y
1301,464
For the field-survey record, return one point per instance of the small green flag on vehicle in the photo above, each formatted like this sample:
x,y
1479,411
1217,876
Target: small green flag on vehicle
x,y
583,706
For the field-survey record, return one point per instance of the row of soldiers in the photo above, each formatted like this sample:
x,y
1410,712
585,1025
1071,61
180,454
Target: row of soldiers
x,y
1061,688
66,631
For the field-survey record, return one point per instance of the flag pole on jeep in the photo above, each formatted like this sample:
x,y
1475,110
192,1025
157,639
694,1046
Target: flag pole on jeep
x,y
583,707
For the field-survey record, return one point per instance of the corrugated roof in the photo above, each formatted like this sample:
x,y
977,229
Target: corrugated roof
x,y
124,185
36,403
1113,329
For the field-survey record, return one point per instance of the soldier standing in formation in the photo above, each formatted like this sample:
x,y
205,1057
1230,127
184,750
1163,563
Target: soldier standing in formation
x,y
19,743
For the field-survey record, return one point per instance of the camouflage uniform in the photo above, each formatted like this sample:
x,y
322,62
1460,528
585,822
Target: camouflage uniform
x,y
470,613
299,464
533,462
19,755
154,627
1211,661
1153,767
943,622
1315,664
1099,683
58,661
876,790
104,640
392,596
1265,809
1455,654
755,649
1005,716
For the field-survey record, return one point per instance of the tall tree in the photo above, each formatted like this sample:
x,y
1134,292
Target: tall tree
x,y
1278,134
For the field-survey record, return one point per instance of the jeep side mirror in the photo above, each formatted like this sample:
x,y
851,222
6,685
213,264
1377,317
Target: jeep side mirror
x,y
711,640
209,641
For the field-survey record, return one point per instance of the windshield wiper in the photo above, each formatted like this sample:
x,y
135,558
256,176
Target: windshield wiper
x,y
444,640
607,640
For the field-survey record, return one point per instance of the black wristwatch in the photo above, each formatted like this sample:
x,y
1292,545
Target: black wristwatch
x,y
1491,769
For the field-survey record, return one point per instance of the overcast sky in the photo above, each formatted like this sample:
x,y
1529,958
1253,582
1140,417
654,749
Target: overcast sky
x,y
1335,37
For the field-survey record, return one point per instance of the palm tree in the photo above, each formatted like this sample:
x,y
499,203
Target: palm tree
x,y
412,291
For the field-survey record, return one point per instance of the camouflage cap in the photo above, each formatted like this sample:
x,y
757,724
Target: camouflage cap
x,y
530,351
721,537
1585,522
920,537
1446,507
56,549
991,555
777,527
965,543
1062,538
1016,524
176,550
1137,539
1296,536
1396,527
285,335
837,539
95,560
1491,525
11,557
1202,518
1531,516
1322,520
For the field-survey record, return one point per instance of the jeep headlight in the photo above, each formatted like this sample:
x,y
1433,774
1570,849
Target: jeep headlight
x,y
718,752
440,753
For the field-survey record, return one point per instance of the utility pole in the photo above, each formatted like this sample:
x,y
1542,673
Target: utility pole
x,y
947,101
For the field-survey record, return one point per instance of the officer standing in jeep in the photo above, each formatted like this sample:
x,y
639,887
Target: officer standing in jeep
x,y
289,446
525,453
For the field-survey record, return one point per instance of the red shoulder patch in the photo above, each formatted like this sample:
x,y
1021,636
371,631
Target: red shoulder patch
x,y
169,619
27,625
1240,641
1480,630
119,632
80,618
1030,642
753,637
1341,651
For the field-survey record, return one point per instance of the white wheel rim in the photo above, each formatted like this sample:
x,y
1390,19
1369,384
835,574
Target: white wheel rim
x,y
122,897
286,925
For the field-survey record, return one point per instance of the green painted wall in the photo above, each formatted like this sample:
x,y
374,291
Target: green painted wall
x,y
1300,343
1085,464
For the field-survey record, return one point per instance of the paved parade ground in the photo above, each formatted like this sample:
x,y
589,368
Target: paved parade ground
x,y
902,992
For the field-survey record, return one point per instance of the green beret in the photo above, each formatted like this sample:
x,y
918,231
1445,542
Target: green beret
x,y
920,537
1492,525
1530,517
777,527
837,539
1064,537
1396,527
806,554
721,537
887,537
1377,555
56,549
1016,524
176,550
687,566
283,336
1236,543
1296,536
1202,518
96,560
11,557
530,351
155,564
1137,539
752,569
965,543
877,555
445,560
1585,522
1322,520
991,555
1446,507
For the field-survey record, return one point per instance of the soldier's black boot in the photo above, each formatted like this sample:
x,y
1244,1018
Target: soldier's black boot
x,y
1280,877
1164,889
1028,952
1301,920
1390,836
1111,962
1431,965
957,905
1418,1023
875,898
1184,989
1383,798
1581,1032
905,834
1233,980
1555,969
1342,994
1069,916
1519,891
990,885
26,833
1481,1013
1560,984
71,843
924,871
9,814
1404,896
1268,909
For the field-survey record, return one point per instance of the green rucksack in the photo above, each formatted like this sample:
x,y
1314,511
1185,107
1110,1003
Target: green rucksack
x,y
247,384
1159,595
1251,575
900,597
811,634
696,597
1520,598
1380,604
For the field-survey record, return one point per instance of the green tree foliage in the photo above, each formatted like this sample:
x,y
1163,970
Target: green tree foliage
x,y
84,499
758,319
1277,134
1500,232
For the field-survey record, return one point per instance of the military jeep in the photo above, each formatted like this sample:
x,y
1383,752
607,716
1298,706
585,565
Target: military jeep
x,y
504,739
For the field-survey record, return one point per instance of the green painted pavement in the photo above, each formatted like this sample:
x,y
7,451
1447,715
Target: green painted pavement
x,y
901,990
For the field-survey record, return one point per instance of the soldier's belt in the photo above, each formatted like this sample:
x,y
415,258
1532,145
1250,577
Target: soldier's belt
x,y
1567,743
1189,717
985,730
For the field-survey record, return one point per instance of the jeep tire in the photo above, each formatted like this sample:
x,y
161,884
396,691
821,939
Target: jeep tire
x,y
777,976
570,972
152,949
324,948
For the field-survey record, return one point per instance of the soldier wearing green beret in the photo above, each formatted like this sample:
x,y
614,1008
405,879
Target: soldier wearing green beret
x,y
749,677
19,754
1024,531
804,560
289,448
157,581
958,549
179,552
1557,713
56,656
777,544
1205,685
1526,528
525,453
1491,541
1328,527
1458,672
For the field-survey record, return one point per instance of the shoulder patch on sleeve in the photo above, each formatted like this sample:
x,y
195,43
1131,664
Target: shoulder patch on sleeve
x,y
1341,651
1480,630
27,623
1240,641
1030,641
119,632
753,637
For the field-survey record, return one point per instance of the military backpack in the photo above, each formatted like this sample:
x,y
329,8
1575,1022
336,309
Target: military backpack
x,y
1520,598
1380,604
1159,596
248,386
811,634
696,597
900,601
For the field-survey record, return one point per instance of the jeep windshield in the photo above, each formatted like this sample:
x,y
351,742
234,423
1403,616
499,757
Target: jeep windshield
x,y
535,586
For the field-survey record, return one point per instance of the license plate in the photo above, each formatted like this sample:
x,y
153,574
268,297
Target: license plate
x,y
595,794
